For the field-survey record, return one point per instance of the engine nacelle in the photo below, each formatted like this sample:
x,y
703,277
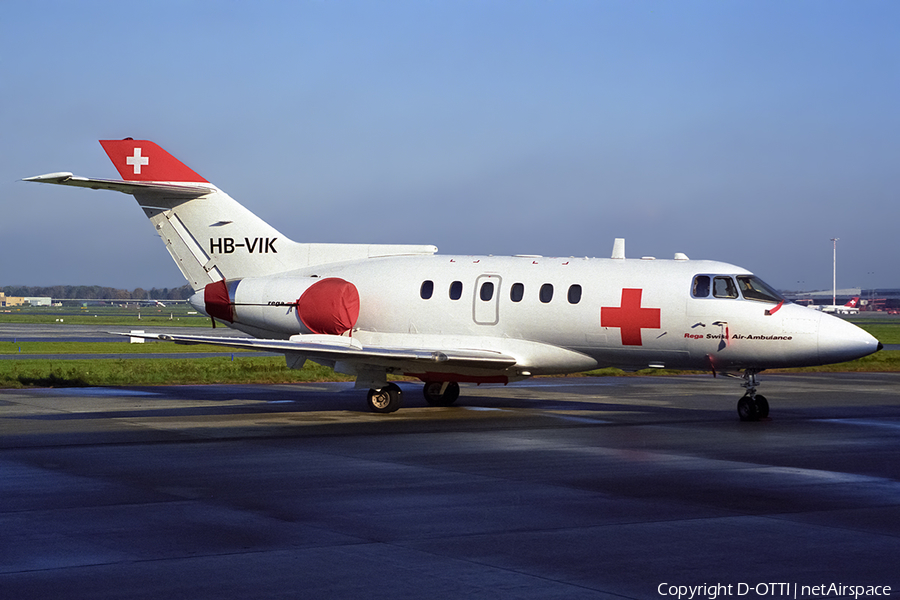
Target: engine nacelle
x,y
288,305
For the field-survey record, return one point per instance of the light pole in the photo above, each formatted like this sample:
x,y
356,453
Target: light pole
x,y
834,273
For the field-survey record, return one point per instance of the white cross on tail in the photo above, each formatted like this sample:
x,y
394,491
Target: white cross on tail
x,y
137,160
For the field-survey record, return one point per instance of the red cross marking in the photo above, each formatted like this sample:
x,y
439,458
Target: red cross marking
x,y
630,317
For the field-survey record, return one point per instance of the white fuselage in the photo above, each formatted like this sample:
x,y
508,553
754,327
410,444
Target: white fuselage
x,y
663,325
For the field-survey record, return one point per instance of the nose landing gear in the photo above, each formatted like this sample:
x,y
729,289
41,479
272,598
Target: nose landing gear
x,y
753,406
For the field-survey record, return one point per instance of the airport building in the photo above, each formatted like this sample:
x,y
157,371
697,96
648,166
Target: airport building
x,y
8,301
872,299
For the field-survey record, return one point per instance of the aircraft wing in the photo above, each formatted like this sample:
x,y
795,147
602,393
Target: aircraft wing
x,y
183,190
336,347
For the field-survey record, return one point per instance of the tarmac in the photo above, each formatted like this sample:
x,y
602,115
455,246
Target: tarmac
x,y
626,487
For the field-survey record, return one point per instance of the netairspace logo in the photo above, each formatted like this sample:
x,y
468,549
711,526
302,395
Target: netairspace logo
x,y
771,590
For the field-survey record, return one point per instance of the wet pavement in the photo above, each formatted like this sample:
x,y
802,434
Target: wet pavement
x,y
553,488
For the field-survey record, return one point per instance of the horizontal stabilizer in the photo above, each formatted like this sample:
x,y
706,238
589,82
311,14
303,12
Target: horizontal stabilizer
x,y
336,347
179,190
210,236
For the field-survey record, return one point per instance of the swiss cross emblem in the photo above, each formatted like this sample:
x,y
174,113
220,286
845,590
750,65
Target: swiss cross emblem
x,y
629,317
137,161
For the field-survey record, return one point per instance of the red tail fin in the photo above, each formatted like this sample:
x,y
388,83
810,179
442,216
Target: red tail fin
x,y
140,160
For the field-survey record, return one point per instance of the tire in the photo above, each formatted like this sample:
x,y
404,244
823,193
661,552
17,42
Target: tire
x,y
434,397
385,400
762,407
747,410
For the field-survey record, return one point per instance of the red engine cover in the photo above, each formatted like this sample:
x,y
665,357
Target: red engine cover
x,y
218,304
330,306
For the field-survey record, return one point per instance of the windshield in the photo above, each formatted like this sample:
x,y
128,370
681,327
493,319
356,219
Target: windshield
x,y
754,288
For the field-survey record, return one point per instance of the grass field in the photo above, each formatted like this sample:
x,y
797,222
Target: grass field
x,y
176,315
123,347
158,371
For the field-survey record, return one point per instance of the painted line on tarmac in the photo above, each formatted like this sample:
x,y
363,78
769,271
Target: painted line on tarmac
x,y
863,422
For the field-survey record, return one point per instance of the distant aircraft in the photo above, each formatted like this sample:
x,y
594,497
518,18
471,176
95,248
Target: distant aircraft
x,y
373,310
151,302
851,308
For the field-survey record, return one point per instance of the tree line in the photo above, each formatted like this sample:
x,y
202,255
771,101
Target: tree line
x,y
97,292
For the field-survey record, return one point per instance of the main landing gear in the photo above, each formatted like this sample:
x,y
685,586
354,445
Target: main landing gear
x,y
441,393
389,398
753,406
386,400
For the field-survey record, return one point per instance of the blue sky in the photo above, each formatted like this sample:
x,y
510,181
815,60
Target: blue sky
x,y
748,132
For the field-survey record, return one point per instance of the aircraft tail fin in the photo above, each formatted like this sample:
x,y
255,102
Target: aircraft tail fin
x,y
145,161
211,236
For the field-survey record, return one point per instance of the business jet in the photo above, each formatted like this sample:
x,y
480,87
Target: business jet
x,y
372,310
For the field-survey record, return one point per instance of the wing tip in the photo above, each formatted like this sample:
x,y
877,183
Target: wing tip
x,y
51,177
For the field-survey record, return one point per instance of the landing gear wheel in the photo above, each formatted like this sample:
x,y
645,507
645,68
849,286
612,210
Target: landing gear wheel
x,y
762,407
753,406
385,400
441,393
747,409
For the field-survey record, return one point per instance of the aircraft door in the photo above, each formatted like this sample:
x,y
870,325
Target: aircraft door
x,y
486,307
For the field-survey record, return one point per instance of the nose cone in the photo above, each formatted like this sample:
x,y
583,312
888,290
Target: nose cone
x,y
840,341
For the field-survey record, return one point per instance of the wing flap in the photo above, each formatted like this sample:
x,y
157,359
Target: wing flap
x,y
181,190
335,347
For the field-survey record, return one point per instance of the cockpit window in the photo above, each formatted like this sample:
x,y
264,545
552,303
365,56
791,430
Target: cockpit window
x,y
754,288
700,289
723,287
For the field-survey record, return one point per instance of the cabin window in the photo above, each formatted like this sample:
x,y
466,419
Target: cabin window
x,y
723,287
487,290
574,295
517,292
754,288
426,290
456,290
546,293
700,288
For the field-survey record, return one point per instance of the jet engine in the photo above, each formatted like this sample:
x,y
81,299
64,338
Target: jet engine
x,y
282,305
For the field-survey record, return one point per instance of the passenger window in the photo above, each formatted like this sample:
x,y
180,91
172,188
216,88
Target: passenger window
x,y
701,286
426,290
487,290
546,292
517,292
574,294
456,290
723,287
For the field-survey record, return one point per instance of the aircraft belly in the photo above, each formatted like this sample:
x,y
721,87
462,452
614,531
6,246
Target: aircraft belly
x,y
630,359
531,357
